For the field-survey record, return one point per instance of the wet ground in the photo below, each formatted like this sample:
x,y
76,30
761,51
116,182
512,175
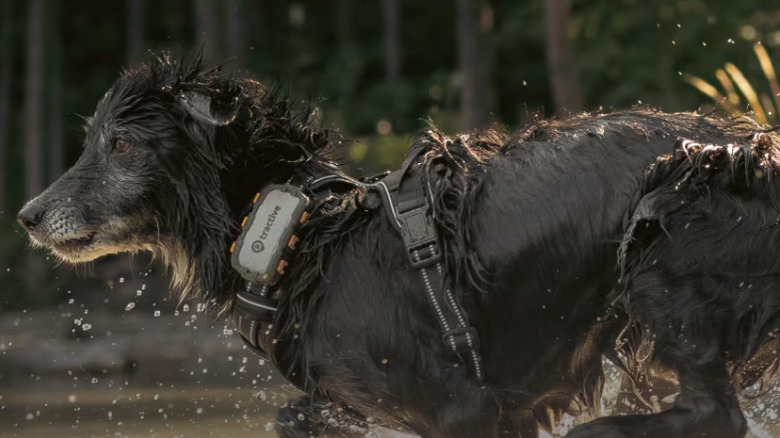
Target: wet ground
x,y
143,373
134,412
137,373
167,373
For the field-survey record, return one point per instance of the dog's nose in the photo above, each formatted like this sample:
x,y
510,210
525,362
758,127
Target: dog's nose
x,y
30,216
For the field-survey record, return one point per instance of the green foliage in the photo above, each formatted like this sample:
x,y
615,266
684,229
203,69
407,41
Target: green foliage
x,y
631,51
332,53
373,155
764,103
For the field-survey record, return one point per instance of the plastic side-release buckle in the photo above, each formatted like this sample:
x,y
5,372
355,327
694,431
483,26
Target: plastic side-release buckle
x,y
420,237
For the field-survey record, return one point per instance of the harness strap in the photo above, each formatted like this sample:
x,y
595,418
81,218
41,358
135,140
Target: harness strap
x,y
413,220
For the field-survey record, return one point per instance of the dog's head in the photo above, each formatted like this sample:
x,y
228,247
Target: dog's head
x,y
150,176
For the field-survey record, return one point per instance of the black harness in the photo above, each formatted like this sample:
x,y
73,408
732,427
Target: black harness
x,y
407,198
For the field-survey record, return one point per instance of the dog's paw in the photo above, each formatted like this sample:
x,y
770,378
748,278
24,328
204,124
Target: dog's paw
x,y
292,421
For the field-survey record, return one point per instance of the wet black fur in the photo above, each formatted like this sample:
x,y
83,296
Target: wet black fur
x,y
559,241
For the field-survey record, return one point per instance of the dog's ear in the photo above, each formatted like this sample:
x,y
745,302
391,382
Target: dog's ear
x,y
217,110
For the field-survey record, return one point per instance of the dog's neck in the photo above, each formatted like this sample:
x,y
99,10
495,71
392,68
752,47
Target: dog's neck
x,y
270,142
273,153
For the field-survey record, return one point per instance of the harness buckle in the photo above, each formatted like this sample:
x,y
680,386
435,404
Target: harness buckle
x,y
420,237
464,338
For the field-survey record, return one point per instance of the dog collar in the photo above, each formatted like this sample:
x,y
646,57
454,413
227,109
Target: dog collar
x,y
264,249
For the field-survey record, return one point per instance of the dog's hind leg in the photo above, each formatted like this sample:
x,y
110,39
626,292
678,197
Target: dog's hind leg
x,y
687,340
705,408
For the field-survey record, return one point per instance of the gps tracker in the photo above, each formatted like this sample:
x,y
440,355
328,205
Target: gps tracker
x,y
267,236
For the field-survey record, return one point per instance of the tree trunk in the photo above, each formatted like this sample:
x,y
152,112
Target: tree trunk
x,y
54,70
207,28
348,58
475,23
235,31
563,77
392,42
6,57
135,30
33,101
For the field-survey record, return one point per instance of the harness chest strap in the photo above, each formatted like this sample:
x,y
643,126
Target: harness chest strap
x,y
410,213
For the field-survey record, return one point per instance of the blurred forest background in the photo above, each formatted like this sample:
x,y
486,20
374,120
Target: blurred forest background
x,y
378,69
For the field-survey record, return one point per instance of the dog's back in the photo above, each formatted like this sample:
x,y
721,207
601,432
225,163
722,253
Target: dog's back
x,y
548,217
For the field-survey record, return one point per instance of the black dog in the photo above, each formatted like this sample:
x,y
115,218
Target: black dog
x,y
558,241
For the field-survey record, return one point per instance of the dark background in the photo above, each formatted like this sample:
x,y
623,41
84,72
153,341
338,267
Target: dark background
x,y
101,350
378,70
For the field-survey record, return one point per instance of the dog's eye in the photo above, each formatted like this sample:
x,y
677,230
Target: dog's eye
x,y
122,146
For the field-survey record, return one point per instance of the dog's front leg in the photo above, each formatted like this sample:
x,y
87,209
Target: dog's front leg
x,y
316,416
470,412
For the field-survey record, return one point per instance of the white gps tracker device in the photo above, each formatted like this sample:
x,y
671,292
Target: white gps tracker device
x,y
267,236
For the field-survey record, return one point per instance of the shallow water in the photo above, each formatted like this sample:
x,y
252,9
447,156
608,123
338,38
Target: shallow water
x,y
147,374
135,412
